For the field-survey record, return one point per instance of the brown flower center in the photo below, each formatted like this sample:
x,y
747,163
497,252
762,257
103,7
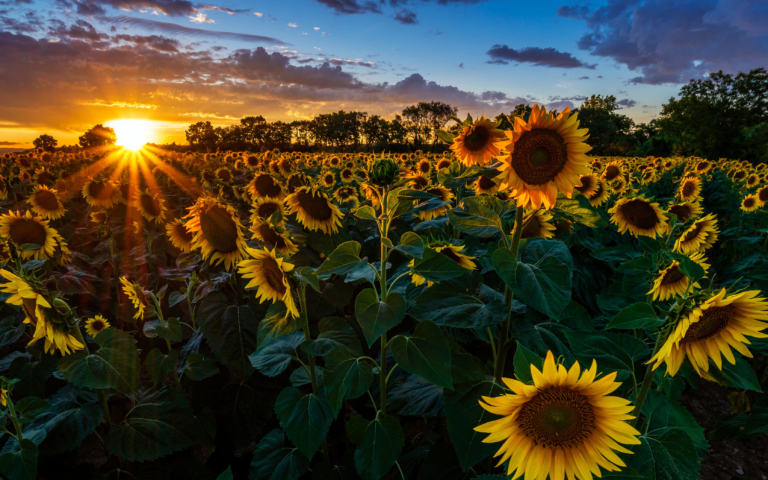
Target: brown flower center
x,y
485,183
47,200
273,274
296,182
586,184
672,276
740,175
265,186
423,167
181,232
315,207
762,194
45,178
346,174
478,139
539,156
448,252
219,229
100,190
97,325
266,210
695,230
749,202
443,164
27,231
224,176
269,235
612,172
557,417
533,228
150,205
712,321
419,182
683,212
639,214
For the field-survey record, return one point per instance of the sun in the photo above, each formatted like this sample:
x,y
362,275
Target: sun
x,y
132,134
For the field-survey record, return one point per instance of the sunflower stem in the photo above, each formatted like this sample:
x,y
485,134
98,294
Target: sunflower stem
x,y
14,419
102,397
647,381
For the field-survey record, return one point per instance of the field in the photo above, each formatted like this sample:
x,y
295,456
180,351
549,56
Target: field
x,y
513,307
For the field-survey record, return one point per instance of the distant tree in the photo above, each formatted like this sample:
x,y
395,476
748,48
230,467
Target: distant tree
x,y
98,136
46,142
598,102
425,118
202,133
254,128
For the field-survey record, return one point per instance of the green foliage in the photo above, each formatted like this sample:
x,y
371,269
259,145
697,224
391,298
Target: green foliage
x,y
376,317
304,418
230,330
426,353
378,446
275,460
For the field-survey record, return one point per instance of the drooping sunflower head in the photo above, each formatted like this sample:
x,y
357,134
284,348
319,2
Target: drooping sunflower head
x,y
478,143
285,165
537,224
713,327
485,185
544,155
263,185
762,195
26,229
46,203
685,211
589,184
690,189
753,180
269,274
273,236
451,251
137,295
95,325
640,216
346,195
313,210
672,282
564,425
700,236
151,206
613,171
217,232
101,193
601,193
750,203
347,175
265,207
442,193
179,236
297,180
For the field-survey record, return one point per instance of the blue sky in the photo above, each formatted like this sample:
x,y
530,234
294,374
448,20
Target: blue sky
x,y
68,64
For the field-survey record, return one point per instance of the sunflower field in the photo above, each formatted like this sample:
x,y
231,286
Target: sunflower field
x,y
512,308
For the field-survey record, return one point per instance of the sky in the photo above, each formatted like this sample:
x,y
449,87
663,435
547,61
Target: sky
x,y
66,65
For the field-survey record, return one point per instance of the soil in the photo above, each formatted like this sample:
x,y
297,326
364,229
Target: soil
x,y
740,459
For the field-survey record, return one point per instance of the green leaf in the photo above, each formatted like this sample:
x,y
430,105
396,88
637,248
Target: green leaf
x,y
477,217
523,360
613,351
199,367
417,397
451,304
411,244
272,359
277,323
381,445
175,298
739,375
463,413
637,315
32,373
690,269
436,267
114,365
19,463
671,456
160,424
466,368
376,317
663,415
639,266
356,427
348,378
230,331
576,317
307,275
339,331
619,253
9,332
73,416
426,354
366,213
542,279
305,419
344,259
29,408
579,210
274,460
226,475
159,364
447,137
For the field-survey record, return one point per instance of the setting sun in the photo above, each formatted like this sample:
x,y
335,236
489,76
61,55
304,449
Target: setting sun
x,y
132,134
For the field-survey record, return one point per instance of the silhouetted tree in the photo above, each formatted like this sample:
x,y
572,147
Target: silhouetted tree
x,y
98,136
46,142
202,133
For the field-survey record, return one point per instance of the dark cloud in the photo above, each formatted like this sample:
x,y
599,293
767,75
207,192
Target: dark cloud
x,y
80,29
461,65
226,10
6,143
672,42
626,103
546,57
157,42
583,78
406,17
351,6
30,25
559,105
180,30
173,8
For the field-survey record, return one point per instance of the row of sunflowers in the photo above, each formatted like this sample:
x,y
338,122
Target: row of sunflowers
x,y
512,308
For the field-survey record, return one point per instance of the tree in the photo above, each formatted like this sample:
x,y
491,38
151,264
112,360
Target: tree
x,y
98,136
425,118
202,133
46,142
598,102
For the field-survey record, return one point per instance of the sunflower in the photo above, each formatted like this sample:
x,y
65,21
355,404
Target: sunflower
x,y
263,185
544,155
685,211
46,203
739,175
24,229
285,166
451,251
334,162
137,295
698,237
3,397
217,232
619,185
252,161
753,180
274,236
43,177
478,143
563,227
424,167
672,282
417,181
95,325
224,175
612,171
269,274
601,194
762,196
703,167
347,175
179,236
713,327
443,163
101,193
347,195
313,210
297,180
329,179
264,208
640,216
484,185
690,188
3,191
440,192
152,207
589,184
34,306
750,203
536,224
565,424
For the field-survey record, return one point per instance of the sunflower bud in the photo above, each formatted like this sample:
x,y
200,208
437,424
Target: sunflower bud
x,y
61,306
383,173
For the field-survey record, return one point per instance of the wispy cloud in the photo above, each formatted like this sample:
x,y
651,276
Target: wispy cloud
x,y
181,30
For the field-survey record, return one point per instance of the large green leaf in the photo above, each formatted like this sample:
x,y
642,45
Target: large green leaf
x,y
376,317
73,416
463,413
199,367
29,408
410,244
20,461
344,259
579,210
426,353
451,304
9,332
417,397
379,448
478,216
32,372
160,364
436,267
171,331
637,315
523,360
230,330
671,456
542,279
348,378
613,351
114,365
663,415
305,419
277,323
273,359
274,460
161,423
741,375
334,331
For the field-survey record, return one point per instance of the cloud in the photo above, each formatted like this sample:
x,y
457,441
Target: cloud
x,y
81,30
317,28
339,62
158,42
626,103
583,78
180,30
545,57
292,25
226,10
406,17
258,14
200,17
6,143
173,8
672,42
103,103
351,6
